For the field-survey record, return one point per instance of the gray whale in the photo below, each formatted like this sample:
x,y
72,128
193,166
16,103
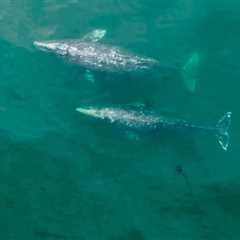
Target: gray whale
x,y
90,53
140,120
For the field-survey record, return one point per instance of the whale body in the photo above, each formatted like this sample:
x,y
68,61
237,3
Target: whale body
x,y
93,55
90,53
140,120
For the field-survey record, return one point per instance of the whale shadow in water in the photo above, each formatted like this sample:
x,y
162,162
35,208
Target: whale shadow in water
x,y
122,88
183,145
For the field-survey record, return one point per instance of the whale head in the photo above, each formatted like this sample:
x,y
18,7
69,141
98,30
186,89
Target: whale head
x,y
93,112
58,47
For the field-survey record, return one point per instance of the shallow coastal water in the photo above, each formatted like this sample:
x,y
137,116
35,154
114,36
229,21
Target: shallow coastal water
x,y
65,176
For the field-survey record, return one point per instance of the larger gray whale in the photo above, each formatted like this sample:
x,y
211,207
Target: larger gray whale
x,y
93,55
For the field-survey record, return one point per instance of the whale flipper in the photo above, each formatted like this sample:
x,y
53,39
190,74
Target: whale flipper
x,y
95,36
89,76
132,136
190,72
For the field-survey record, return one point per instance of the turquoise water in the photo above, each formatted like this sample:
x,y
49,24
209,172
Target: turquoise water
x,y
63,176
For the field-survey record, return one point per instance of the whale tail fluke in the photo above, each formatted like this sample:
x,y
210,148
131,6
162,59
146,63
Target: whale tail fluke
x,y
190,72
222,130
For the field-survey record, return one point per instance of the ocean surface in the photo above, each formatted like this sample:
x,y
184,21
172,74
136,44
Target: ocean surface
x,y
67,177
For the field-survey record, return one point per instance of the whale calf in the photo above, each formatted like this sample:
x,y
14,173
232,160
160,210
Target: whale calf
x,y
140,120
91,54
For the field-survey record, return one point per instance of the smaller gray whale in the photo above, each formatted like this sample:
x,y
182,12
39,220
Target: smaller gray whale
x,y
89,53
141,121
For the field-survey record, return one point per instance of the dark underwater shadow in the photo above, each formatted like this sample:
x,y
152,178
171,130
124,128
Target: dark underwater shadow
x,y
183,144
226,196
122,88
131,87
131,234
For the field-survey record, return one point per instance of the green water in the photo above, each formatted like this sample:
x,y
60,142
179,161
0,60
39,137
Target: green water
x,y
63,176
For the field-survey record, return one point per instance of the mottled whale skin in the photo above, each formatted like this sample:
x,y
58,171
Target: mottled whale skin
x,y
97,56
140,120
91,54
